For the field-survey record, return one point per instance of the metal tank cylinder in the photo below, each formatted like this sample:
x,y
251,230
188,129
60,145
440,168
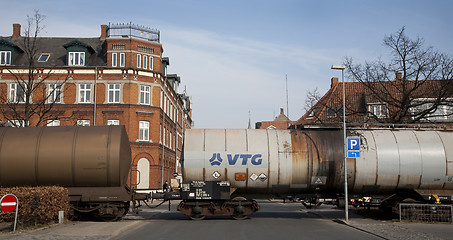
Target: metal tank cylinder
x,y
66,156
262,161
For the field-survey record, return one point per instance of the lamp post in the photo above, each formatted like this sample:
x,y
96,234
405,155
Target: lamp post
x,y
346,201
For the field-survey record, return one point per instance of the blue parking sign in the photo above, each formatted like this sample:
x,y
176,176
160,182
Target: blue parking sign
x,y
353,144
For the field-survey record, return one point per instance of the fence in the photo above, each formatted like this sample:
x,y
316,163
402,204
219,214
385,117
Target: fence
x,y
426,212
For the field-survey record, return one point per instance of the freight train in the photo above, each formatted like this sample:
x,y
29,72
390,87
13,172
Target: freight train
x,y
91,162
225,169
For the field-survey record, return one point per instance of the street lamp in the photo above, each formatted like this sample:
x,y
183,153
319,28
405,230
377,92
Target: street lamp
x,y
346,201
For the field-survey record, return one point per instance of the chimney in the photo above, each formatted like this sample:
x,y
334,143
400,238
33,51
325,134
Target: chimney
x,y
281,111
398,76
333,81
104,29
16,30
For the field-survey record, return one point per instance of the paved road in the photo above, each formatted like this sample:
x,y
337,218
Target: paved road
x,y
273,221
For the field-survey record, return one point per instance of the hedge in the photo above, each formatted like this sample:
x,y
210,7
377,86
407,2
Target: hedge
x,y
37,205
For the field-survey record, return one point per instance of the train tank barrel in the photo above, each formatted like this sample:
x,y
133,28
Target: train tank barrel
x,y
263,161
68,156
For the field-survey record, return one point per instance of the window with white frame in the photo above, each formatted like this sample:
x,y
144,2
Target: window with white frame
x,y
122,59
113,122
5,57
143,131
17,123
55,93
114,59
313,113
76,59
114,93
378,110
139,60
443,112
53,123
145,93
151,63
83,122
85,93
145,61
17,92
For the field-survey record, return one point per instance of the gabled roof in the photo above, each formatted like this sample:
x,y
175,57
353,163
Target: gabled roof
x,y
78,43
358,96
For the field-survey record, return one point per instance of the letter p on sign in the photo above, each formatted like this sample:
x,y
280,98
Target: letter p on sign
x,y
353,144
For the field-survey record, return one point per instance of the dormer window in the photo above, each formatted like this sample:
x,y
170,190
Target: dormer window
x,y
78,52
5,57
76,59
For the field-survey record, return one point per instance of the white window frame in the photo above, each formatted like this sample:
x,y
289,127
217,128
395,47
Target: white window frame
x,y
145,95
380,110
83,122
55,93
122,59
143,129
85,93
139,60
151,63
114,122
114,93
114,59
76,59
5,58
53,123
17,123
13,92
145,61
441,114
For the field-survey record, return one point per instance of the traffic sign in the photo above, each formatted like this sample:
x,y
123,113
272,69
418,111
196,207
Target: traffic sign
x,y
8,203
353,144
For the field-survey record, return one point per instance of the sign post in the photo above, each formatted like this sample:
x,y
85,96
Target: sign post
x,y
9,203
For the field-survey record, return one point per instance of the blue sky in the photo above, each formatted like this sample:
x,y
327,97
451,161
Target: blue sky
x,y
233,55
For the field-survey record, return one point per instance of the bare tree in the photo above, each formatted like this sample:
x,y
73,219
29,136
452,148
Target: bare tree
x,y
423,88
33,94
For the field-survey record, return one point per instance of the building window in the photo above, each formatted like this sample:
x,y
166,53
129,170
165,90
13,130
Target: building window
x,y
145,94
313,113
122,59
441,113
55,93
151,63
139,60
76,59
5,57
113,122
83,122
17,123
44,57
145,61
144,131
114,93
84,93
17,92
53,123
114,59
378,110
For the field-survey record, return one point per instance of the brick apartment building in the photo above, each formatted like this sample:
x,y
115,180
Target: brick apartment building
x,y
378,104
119,78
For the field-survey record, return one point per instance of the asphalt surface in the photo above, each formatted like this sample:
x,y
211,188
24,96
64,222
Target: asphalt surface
x,y
327,222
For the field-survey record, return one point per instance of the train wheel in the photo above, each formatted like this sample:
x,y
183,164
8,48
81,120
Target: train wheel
x,y
197,217
239,209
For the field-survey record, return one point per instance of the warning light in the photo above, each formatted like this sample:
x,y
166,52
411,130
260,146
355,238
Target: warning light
x,y
240,176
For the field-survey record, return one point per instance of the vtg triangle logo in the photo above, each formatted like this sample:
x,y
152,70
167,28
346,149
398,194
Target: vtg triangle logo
x,y
216,160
